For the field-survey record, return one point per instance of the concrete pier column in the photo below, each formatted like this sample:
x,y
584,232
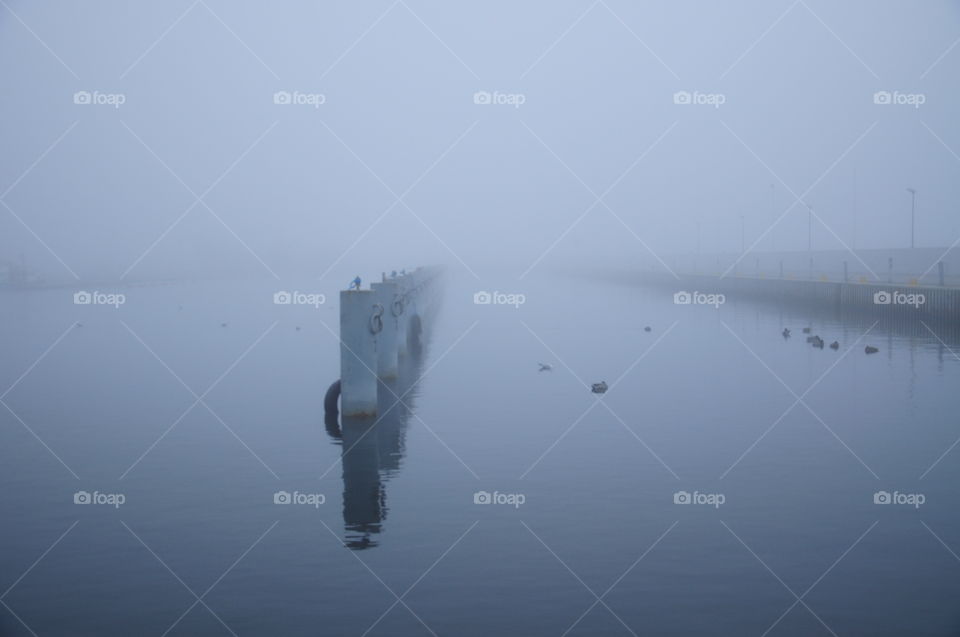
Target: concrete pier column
x,y
388,296
358,353
403,289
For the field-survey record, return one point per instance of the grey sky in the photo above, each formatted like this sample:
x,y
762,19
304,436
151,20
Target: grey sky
x,y
489,184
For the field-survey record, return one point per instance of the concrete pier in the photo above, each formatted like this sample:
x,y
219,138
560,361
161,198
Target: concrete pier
x,y
377,327
358,353
390,298
882,300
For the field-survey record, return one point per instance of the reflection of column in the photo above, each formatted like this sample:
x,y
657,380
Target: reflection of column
x,y
363,496
372,452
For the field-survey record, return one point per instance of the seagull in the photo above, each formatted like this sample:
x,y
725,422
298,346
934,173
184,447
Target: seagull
x,y
599,388
544,367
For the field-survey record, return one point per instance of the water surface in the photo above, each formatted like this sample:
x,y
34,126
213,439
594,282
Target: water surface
x,y
199,424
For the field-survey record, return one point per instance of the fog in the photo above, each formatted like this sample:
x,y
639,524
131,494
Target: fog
x,y
667,340
389,161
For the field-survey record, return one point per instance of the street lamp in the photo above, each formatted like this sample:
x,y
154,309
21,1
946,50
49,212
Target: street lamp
x,y
810,238
743,234
773,214
913,210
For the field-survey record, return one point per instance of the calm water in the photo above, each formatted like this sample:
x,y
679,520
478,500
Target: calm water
x,y
198,425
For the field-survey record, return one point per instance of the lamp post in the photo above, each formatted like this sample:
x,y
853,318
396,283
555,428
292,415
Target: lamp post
x,y
743,234
810,238
913,210
773,214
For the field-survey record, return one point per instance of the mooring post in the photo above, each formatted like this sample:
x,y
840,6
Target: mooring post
x,y
414,302
389,299
404,289
940,272
358,351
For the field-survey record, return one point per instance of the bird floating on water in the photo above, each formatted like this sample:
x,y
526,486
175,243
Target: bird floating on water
x,y
647,328
870,349
835,345
786,332
599,388
817,342
806,330
544,367
223,325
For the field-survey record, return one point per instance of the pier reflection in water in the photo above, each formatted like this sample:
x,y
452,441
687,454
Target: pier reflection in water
x,y
372,450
